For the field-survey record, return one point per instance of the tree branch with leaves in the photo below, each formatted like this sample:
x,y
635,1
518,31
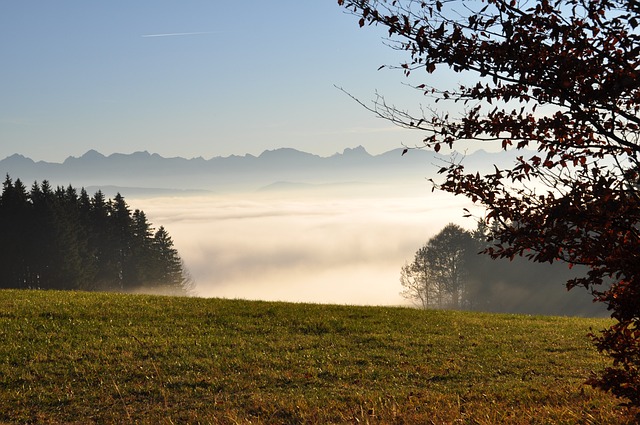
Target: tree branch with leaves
x,y
559,82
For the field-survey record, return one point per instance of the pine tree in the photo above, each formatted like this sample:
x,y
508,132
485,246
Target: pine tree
x,y
102,244
57,239
140,263
170,271
120,223
14,217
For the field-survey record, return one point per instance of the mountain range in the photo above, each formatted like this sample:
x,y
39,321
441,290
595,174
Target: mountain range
x,y
284,168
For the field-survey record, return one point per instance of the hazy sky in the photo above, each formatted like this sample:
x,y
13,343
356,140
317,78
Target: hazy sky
x,y
210,78
301,247
190,78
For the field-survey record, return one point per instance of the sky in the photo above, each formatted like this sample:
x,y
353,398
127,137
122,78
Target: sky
x,y
206,78
191,78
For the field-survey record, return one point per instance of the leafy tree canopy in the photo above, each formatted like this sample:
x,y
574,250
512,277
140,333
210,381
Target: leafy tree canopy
x,y
448,271
438,275
560,78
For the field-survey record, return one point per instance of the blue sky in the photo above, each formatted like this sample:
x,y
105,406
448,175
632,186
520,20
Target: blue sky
x,y
225,78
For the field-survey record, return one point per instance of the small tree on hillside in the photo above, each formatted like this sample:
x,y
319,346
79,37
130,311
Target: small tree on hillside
x,y
447,253
438,274
170,273
417,281
561,77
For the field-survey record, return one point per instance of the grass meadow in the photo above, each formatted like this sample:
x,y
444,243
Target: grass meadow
x,y
70,357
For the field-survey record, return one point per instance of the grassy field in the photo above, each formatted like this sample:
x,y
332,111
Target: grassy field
x,y
106,358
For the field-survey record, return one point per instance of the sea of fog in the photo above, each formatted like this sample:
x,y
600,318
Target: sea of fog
x,y
345,247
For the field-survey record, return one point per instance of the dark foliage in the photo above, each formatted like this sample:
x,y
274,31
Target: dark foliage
x,y
439,274
561,77
57,239
449,272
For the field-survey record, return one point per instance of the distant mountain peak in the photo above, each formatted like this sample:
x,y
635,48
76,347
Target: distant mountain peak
x,y
283,152
92,154
357,151
140,154
18,157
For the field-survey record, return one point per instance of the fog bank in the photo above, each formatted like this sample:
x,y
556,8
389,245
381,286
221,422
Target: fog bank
x,y
303,246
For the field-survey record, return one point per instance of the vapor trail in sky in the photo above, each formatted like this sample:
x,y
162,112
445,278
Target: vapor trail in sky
x,y
177,34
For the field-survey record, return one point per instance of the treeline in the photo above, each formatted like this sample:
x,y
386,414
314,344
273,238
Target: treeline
x,y
61,239
448,272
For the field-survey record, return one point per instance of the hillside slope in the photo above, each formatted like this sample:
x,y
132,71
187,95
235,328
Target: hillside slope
x,y
105,358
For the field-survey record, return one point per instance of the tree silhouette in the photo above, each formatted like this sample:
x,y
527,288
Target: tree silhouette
x,y
417,281
57,239
14,223
169,269
437,277
560,77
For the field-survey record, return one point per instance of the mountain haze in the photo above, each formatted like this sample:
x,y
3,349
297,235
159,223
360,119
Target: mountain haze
x,y
285,166
292,226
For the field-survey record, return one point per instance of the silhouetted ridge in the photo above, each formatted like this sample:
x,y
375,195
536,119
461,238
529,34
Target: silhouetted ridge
x,y
150,170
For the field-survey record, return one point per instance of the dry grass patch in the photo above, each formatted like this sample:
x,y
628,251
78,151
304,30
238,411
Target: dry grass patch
x,y
107,358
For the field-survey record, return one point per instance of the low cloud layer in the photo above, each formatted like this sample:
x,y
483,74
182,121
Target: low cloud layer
x,y
297,247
